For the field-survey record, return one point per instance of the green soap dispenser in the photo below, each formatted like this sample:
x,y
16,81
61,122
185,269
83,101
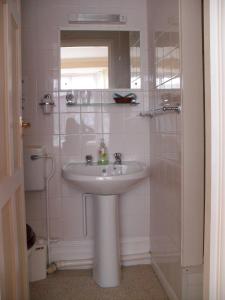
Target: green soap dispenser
x,y
103,158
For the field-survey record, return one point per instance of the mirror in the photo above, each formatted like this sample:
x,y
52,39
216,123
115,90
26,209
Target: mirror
x,y
100,60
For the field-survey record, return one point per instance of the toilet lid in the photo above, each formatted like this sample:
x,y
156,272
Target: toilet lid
x,y
31,237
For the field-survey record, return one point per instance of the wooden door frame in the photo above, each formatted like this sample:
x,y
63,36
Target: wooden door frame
x,y
214,256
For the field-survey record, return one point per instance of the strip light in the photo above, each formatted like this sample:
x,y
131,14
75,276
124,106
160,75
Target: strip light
x,y
96,19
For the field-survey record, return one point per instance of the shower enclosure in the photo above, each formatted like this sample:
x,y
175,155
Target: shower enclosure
x,y
177,146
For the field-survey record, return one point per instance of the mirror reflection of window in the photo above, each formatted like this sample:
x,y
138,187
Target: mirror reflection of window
x,y
83,66
135,61
100,59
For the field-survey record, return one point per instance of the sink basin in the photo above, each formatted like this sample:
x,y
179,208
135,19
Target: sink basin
x,y
105,180
106,183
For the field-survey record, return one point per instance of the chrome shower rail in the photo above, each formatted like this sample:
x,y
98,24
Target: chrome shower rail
x,y
160,110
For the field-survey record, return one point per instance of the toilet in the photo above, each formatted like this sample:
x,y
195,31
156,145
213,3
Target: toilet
x,y
37,256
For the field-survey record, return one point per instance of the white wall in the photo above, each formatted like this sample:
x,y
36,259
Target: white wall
x,y
72,132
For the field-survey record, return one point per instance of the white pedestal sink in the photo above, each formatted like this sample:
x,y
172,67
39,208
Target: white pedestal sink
x,y
106,183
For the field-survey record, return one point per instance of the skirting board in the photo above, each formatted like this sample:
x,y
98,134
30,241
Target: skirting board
x,y
79,254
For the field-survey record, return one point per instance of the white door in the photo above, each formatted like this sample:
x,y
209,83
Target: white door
x,y
13,253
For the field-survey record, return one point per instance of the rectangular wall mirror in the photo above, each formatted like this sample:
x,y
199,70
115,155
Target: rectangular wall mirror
x,y
100,60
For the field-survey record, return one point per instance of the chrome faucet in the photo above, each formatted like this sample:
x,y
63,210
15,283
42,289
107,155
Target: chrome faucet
x,y
118,158
89,159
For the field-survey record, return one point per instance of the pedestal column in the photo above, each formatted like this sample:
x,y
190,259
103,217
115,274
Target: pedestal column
x,y
107,247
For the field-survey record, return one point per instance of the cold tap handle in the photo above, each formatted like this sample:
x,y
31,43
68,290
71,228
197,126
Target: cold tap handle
x,y
118,158
89,159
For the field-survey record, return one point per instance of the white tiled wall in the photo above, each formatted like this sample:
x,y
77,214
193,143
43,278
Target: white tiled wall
x,y
73,132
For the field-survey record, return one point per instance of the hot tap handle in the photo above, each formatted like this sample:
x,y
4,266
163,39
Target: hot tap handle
x,y
89,158
117,155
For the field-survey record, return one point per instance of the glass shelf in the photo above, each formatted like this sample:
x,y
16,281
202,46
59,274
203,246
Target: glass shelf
x,y
103,104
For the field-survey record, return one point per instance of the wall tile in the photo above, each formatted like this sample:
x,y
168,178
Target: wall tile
x,y
55,207
70,145
70,123
56,229
48,80
137,195
113,122
91,123
72,218
69,190
48,59
133,123
129,228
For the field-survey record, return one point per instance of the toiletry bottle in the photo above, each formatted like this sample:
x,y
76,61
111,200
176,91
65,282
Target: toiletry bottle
x,y
103,154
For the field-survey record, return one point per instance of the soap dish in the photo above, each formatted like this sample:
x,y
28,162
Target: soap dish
x,y
124,100
129,98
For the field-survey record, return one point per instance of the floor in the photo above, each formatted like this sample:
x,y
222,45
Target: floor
x,y
138,283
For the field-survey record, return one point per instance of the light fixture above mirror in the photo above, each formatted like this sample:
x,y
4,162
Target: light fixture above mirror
x,y
100,60
96,19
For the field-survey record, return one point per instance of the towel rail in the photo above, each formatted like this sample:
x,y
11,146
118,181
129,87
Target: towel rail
x,y
160,110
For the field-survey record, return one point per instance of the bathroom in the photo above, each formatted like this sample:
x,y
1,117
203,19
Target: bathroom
x,y
161,217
